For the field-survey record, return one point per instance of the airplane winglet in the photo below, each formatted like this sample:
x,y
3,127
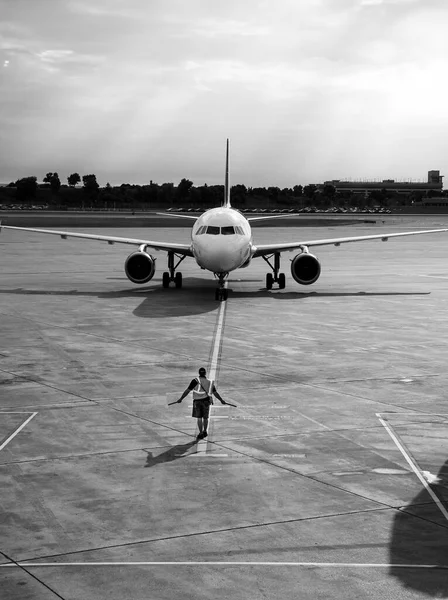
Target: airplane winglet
x,y
226,185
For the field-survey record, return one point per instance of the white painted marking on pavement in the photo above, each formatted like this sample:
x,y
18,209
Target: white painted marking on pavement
x,y
209,455
202,444
329,565
411,462
430,478
18,430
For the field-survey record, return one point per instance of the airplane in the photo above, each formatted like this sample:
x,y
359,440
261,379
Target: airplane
x,y
221,241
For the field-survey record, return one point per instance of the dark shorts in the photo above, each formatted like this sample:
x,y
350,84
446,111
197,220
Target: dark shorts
x,y
201,408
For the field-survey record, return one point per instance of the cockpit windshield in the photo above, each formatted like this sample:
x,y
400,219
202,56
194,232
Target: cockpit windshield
x,y
214,230
229,230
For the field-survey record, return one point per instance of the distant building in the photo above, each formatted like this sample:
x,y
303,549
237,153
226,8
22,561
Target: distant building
x,y
434,183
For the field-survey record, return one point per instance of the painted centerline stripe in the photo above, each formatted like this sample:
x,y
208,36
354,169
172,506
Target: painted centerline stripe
x,y
202,444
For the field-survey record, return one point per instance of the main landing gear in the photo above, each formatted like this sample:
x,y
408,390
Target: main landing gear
x,y
274,277
221,293
172,275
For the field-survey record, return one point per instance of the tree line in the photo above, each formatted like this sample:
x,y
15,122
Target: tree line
x,y
90,194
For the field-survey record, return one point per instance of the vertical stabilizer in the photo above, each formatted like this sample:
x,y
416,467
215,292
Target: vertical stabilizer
x,y
226,185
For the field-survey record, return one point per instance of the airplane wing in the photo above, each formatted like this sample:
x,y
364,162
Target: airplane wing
x,y
183,249
179,216
252,219
264,249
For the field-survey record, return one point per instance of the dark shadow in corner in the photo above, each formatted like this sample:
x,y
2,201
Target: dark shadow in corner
x,y
420,537
172,454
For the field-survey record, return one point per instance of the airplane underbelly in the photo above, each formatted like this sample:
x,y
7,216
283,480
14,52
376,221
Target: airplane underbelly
x,y
221,259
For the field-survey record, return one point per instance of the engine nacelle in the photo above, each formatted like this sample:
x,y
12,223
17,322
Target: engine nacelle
x,y
305,268
246,263
140,267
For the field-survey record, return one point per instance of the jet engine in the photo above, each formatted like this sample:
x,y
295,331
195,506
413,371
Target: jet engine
x,y
140,267
305,268
246,263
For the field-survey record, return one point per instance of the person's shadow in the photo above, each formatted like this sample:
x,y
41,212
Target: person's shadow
x,y
420,537
172,454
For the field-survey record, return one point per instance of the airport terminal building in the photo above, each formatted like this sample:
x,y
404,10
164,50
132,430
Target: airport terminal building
x,y
434,184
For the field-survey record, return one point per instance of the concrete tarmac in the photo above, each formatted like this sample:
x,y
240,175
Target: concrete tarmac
x,y
330,479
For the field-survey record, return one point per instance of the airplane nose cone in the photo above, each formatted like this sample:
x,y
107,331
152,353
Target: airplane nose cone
x,y
216,256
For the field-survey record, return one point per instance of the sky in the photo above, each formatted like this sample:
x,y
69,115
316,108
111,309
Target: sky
x,y
141,90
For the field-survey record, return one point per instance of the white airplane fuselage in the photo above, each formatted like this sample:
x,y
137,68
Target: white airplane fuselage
x,y
221,240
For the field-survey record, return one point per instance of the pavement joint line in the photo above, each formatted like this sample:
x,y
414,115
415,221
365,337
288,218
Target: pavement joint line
x,y
211,532
336,431
357,396
29,378
23,568
79,455
209,563
412,463
102,337
290,381
147,420
305,475
145,449
18,430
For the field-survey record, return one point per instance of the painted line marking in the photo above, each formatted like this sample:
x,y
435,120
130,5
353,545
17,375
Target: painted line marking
x,y
208,455
225,563
18,430
411,462
202,444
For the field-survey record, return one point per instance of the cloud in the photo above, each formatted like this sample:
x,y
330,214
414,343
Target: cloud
x,y
111,8
55,55
228,28
63,58
123,82
387,2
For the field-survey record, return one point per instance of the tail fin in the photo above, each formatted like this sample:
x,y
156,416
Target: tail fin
x,y
226,185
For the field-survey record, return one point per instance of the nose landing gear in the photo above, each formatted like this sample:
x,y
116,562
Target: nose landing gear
x,y
221,293
274,277
172,275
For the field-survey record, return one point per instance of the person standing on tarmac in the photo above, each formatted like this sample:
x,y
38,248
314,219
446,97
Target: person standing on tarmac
x,y
203,389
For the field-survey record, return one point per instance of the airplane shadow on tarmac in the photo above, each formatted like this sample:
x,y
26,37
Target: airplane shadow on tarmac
x,y
171,454
197,297
420,537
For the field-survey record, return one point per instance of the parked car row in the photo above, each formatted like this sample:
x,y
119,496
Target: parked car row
x,y
306,209
23,207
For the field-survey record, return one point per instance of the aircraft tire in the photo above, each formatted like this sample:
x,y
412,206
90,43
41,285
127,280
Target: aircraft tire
x,y
281,281
166,279
178,280
269,281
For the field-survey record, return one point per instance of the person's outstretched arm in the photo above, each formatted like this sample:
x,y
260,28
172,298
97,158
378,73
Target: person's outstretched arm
x,y
216,393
